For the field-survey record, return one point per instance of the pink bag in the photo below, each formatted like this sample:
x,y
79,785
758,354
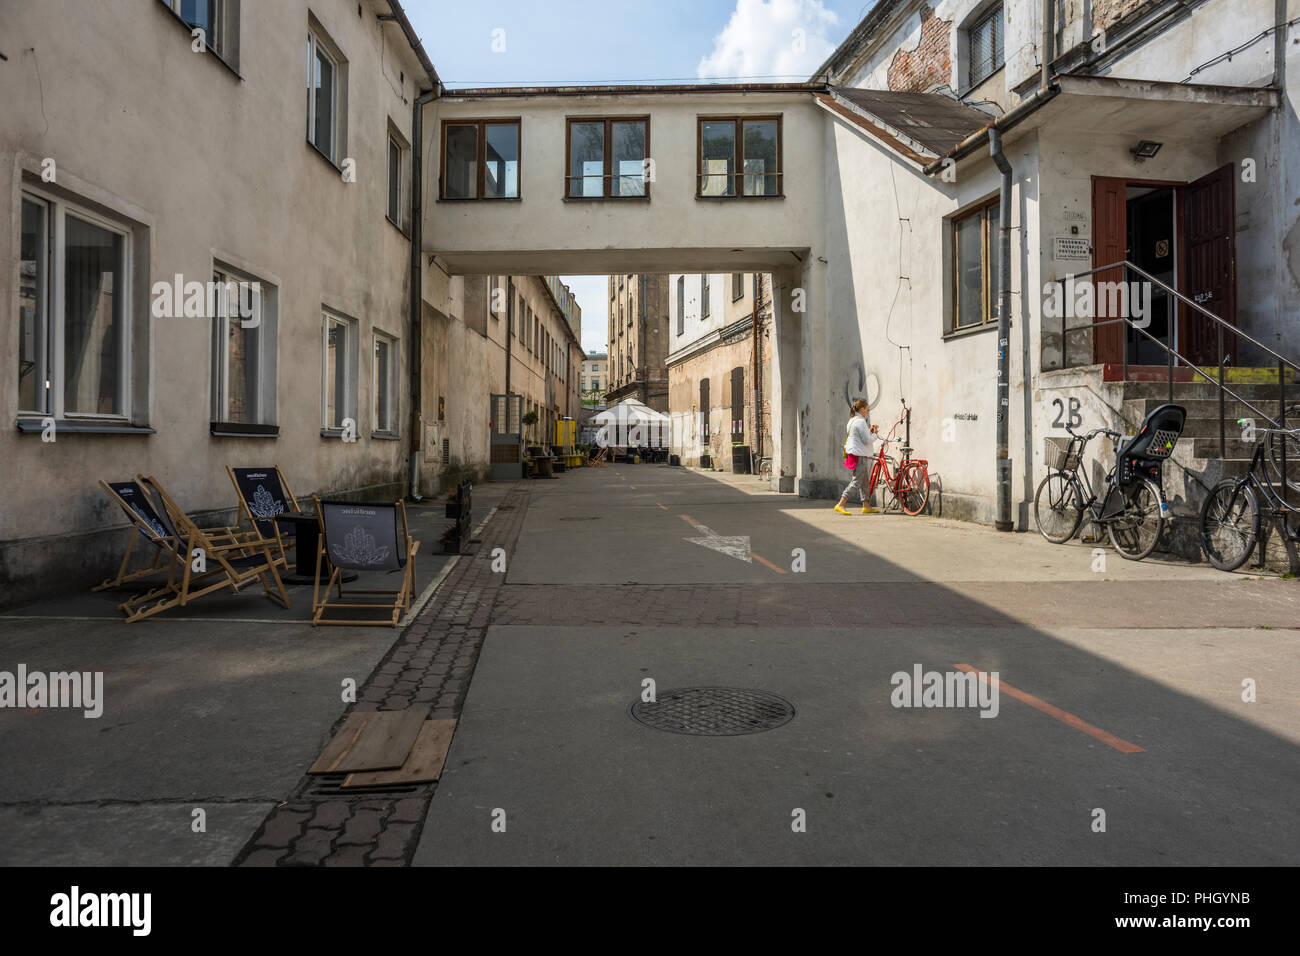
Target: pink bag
x,y
851,462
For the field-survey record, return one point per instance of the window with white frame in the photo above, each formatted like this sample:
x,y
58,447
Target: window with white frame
x,y
324,95
74,342
243,350
383,412
398,180
338,371
984,46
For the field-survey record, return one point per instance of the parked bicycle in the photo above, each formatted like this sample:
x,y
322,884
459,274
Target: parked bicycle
x,y
910,484
1133,509
1231,518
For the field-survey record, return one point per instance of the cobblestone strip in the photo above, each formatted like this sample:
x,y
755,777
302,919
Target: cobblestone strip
x,y
899,604
431,663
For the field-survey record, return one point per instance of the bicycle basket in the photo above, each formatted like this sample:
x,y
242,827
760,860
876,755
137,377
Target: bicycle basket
x,y
1062,454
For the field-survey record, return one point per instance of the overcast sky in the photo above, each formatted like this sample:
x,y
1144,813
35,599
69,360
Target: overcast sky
x,y
549,42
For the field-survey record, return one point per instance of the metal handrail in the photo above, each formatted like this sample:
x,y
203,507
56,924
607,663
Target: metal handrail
x,y
1220,324
1218,320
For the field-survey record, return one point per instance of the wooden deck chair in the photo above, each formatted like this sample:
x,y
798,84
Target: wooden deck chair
x,y
264,493
226,563
599,458
362,537
147,525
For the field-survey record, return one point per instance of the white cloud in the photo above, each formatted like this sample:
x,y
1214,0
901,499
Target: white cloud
x,y
771,38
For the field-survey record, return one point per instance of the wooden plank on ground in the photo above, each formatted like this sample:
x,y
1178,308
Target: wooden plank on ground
x,y
424,765
379,740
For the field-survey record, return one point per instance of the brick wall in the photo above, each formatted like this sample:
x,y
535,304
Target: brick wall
x,y
1106,12
930,63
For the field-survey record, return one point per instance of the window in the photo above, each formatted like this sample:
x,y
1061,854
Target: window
x,y
737,286
607,158
323,100
704,410
480,159
738,404
243,351
218,19
744,165
681,304
976,242
383,411
74,355
338,371
704,296
984,46
398,184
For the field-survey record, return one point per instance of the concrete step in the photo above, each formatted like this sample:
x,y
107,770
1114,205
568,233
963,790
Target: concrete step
x,y
1208,447
1185,391
1208,408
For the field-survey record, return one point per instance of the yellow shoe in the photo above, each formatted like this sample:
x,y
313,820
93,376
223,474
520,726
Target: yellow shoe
x,y
841,510
870,511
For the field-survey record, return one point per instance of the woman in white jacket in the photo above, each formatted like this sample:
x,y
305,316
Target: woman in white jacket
x,y
860,443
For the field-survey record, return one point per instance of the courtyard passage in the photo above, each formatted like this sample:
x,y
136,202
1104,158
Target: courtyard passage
x,y
1118,733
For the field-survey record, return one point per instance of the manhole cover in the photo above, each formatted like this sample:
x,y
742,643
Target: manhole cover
x,y
714,711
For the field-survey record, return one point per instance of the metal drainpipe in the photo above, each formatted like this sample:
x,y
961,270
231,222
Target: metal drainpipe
x,y
417,287
1003,521
641,333
755,352
1049,38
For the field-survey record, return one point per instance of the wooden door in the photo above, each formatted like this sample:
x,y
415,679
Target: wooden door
x,y
1109,244
1210,279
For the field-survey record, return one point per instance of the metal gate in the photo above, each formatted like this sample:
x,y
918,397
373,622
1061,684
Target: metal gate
x,y
507,437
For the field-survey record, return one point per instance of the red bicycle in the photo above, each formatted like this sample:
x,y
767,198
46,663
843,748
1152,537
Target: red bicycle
x,y
910,484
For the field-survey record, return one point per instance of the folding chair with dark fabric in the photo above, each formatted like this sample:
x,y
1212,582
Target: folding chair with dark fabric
x,y
263,494
147,524
366,538
223,562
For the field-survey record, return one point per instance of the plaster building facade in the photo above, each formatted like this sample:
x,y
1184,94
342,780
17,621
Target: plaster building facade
x,y
595,377
719,369
638,339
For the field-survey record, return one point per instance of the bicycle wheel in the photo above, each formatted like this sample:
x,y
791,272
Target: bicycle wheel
x,y
913,488
1273,450
1058,506
1229,524
1136,532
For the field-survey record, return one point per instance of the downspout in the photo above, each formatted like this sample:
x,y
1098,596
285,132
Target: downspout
x,y
417,287
1049,39
1003,521
754,354
641,334
510,334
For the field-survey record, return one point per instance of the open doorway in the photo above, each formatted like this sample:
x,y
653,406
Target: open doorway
x,y
1152,223
1184,236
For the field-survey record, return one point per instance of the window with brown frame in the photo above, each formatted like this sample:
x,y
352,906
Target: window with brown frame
x,y
976,242
739,157
607,157
480,159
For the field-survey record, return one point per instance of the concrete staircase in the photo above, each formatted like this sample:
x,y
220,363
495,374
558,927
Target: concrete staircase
x,y
1197,464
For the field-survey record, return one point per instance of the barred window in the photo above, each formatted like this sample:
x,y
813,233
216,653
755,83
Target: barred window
x,y
985,45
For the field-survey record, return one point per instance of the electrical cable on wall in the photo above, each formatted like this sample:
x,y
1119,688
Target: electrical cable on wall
x,y
898,290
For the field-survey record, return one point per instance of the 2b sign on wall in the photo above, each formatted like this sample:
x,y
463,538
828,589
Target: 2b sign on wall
x,y
1068,413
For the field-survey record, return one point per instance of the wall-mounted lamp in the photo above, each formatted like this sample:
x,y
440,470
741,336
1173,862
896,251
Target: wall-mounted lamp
x,y
1146,149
